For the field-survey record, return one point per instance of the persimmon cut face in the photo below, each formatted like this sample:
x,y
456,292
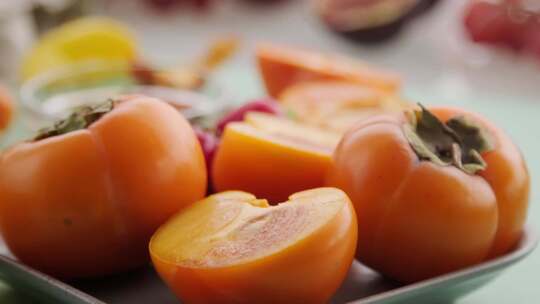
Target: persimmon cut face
x,y
346,94
234,248
290,133
337,105
272,157
235,227
282,67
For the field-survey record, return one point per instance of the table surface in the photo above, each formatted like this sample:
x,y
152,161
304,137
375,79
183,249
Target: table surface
x,y
438,66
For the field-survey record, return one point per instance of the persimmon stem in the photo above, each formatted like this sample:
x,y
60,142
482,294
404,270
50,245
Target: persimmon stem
x,y
81,118
459,142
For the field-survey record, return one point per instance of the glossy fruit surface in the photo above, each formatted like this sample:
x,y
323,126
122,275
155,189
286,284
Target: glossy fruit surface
x,y
418,218
336,105
85,202
272,157
234,248
281,67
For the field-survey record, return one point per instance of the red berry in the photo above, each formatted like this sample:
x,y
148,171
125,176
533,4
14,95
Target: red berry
x,y
209,144
532,40
487,22
509,23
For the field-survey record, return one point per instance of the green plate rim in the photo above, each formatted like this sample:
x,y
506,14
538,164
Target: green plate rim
x,y
40,284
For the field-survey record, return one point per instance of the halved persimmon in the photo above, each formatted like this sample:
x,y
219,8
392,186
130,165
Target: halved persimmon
x,y
272,157
234,248
337,105
282,66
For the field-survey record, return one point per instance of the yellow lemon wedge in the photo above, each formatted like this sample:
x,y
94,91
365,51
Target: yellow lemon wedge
x,y
88,38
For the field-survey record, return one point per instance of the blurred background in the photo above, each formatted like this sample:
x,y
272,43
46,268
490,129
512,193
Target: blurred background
x,y
482,55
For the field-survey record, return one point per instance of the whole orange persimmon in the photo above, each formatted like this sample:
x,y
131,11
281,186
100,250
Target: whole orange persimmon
x,y
434,191
84,197
234,248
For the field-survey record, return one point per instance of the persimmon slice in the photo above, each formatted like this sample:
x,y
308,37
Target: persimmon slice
x,y
272,157
234,247
282,66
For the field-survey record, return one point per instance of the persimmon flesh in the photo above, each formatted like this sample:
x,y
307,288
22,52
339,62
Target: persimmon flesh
x,y
282,66
337,105
234,248
272,157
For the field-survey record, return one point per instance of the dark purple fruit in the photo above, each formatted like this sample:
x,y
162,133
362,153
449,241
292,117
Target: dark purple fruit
x,y
374,20
168,5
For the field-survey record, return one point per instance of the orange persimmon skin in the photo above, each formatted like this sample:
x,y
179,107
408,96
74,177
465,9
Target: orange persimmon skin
x,y
322,259
509,178
282,66
266,169
416,219
6,108
85,203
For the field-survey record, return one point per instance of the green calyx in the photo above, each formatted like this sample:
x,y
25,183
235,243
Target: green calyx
x,y
459,142
81,118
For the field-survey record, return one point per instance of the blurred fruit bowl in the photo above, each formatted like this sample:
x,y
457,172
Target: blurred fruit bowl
x,y
56,93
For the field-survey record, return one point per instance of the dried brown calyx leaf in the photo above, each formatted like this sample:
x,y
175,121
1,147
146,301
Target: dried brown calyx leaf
x,y
81,118
459,142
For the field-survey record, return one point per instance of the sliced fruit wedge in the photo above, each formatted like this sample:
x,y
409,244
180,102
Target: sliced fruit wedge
x,y
286,131
337,105
234,248
89,38
272,157
282,66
